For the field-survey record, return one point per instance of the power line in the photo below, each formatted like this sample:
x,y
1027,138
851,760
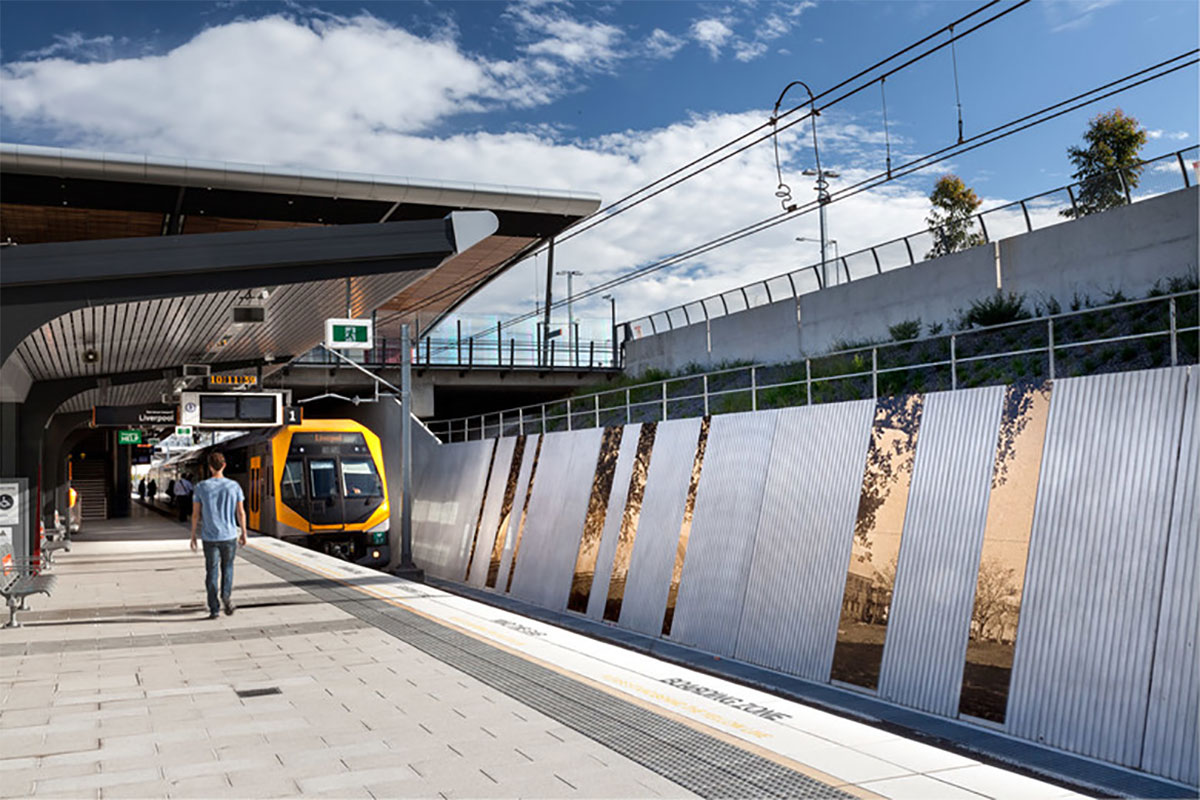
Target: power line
x,y
916,165
594,220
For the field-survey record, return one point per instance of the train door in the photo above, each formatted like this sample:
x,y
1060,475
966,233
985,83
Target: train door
x,y
255,498
325,496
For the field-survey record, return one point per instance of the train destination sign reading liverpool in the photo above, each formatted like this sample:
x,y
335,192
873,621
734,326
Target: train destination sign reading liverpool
x,y
348,334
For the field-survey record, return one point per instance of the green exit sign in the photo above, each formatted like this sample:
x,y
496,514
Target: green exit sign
x,y
129,437
183,430
348,334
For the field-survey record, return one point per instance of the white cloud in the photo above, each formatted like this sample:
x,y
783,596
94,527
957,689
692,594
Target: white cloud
x,y
661,44
358,94
748,51
76,45
711,34
1070,15
1179,136
584,44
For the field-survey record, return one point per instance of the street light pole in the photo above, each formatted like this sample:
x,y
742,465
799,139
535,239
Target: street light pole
x,y
822,201
836,253
570,273
613,301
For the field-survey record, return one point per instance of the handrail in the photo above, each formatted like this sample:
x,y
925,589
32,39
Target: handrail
x,y
650,324
590,407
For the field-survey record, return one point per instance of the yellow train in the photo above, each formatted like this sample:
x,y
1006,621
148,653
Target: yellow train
x,y
320,484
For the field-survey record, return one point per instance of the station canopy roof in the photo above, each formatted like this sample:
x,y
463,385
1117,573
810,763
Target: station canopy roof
x,y
51,196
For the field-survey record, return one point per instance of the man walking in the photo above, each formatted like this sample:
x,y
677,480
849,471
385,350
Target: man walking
x,y
219,511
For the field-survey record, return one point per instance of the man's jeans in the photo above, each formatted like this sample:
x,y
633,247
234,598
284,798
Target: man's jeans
x,y
218,564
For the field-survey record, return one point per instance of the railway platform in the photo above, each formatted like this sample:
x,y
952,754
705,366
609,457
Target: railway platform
x,y
335,680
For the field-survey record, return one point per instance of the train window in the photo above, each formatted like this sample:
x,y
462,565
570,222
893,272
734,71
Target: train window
x,y
323,474
292,483
359,478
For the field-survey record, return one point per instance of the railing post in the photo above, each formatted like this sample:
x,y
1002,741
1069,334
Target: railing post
x,y
908,247
551,354
754,388
591,353
428,352
983,227
1125,187
499,345
953,361
706,395
664,401
874,373
597,399
808,379
1174,347
628,414
1028,223
458,341
568,413
1074,205
471,352
1050,345
512,353
1183,168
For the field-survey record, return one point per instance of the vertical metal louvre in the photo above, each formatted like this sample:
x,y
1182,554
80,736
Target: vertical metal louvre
x,y
713,586
939,552
556,514
514,520
658,528
612,520
1170,745
501,463
1081,672
444,518
793,599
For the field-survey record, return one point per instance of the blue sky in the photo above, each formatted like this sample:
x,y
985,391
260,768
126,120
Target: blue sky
x,y
592,96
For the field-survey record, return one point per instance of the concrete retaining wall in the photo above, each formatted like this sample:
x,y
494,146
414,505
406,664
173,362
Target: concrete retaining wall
x,y
1124,250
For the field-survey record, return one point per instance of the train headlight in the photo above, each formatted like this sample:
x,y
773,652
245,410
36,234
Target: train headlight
x,y
375,554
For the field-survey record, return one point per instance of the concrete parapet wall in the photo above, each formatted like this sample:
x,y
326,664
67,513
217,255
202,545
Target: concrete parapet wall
x,y
770,569
1125,249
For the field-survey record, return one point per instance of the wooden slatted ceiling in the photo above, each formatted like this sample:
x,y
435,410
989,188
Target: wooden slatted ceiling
x,y
31,224
445,287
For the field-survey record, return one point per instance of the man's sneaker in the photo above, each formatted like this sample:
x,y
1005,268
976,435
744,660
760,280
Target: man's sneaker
x,y
212,615
229,606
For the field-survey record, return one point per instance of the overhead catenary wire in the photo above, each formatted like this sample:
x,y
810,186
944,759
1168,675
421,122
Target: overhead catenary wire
x,y
916,165
957,95
595,219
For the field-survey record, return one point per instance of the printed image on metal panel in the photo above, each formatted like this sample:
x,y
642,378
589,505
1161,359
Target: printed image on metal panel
x,y
482,503
1001,577
871,575
510,492
593,524
512,566
629,522
685,530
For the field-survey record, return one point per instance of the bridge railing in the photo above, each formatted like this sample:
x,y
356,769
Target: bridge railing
x,y
1159,175
480,352
1138,334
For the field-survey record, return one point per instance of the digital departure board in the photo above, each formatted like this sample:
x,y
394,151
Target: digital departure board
x,y
231,409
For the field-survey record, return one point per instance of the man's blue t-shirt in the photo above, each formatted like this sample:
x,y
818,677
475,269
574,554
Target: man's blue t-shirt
x,y
218,499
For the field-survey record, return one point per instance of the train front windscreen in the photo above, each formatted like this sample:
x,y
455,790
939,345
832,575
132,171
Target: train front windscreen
x,y
331,479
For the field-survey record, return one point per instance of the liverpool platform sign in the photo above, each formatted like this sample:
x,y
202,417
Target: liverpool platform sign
x,y
349,334
129,416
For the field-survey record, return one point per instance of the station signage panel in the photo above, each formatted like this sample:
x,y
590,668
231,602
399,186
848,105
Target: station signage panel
x,y
126,416
232,380
129,437
231,409
349,334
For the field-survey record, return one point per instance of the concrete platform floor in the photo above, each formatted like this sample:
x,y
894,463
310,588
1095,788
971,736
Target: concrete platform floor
x,y
117,686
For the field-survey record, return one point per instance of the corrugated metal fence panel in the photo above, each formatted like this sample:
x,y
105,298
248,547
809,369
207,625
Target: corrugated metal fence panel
x,y
444,512
713,586
658,529
491,512
939,551
1174,703
1081,672
561,489
612,520
514,519
813,481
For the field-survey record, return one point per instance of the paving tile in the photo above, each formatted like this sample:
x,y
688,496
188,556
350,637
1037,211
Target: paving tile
x,y
920,787
84,783
202,787
993,782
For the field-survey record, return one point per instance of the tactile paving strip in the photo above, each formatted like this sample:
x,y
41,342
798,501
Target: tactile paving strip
x,y
701,763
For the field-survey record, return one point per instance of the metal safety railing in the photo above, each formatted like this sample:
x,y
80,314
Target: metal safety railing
x,y
1159,175
1137,334
477,351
